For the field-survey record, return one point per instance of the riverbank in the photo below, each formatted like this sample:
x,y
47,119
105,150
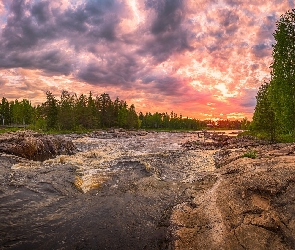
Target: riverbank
x,y
146,190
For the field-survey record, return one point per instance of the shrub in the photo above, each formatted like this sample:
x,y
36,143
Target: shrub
x,y
250,154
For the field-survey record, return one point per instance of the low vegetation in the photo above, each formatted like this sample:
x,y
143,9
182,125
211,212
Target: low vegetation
x,y
250,154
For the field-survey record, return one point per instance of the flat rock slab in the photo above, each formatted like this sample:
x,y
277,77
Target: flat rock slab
x,y
250,206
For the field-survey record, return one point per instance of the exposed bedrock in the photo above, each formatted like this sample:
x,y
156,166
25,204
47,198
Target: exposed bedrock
x,y
35,146
251,205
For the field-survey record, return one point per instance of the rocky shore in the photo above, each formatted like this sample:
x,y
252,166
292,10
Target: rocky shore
x,y
35,146
122,189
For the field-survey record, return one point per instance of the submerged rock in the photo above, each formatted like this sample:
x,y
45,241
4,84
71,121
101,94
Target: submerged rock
x,y
35,146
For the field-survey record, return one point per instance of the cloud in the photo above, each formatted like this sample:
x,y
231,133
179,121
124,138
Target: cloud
x,y
261,50
167,33
38,26
170,53
117,70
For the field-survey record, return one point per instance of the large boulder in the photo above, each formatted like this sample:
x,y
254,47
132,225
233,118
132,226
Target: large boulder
x,y
35,146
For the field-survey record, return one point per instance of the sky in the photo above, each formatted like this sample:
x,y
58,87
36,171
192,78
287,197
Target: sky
x,y
202,59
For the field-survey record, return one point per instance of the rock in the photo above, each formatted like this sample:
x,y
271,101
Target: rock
x,y
116,133
250,206
224,142
145,192
35,146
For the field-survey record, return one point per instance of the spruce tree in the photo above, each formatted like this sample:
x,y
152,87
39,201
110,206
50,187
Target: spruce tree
x,y
282,85
264,117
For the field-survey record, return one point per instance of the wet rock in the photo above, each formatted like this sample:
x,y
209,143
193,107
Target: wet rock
x,y
148,192
35,146
117,133
218,141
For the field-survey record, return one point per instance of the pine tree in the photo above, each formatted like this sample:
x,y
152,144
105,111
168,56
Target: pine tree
x,y
264,116
51,111
5,113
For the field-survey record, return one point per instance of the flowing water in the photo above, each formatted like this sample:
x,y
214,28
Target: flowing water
x,y
116,193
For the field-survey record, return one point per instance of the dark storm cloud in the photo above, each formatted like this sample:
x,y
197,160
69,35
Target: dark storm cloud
x,y
51,60
228,20
148,79
168,33
251,102
119,69
169,17
162,46
221,34
228,17
41,12
267,28
25,36
94,21
170,86
261,50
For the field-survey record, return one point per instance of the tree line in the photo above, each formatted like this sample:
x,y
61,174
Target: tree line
x,y
169,121
274,113
71,112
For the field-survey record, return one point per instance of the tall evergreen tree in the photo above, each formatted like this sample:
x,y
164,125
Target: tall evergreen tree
x,y
5,114
51,111
282,85
264,115
66,114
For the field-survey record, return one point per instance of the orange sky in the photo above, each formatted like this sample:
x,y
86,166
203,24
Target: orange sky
x,y
202,59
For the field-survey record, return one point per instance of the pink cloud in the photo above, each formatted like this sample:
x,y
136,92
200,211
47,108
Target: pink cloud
x,y
197,58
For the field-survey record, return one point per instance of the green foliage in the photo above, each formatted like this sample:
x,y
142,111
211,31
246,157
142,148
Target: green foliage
x,y
83,113
282,85
250,154
245,124
69,113
6,130
264,116
5,116
286,138
228,124
164,121
275,109
51,111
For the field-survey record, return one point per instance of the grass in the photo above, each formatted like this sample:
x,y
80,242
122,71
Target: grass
x,y
6,130
250,154
286,138
262,135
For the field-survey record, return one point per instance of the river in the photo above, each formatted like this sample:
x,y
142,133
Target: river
x,y
117,192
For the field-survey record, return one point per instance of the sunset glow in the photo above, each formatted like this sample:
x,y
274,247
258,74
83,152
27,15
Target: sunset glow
x,y
201,59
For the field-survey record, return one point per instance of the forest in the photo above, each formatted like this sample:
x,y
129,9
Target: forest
x,y
85,112
274,115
